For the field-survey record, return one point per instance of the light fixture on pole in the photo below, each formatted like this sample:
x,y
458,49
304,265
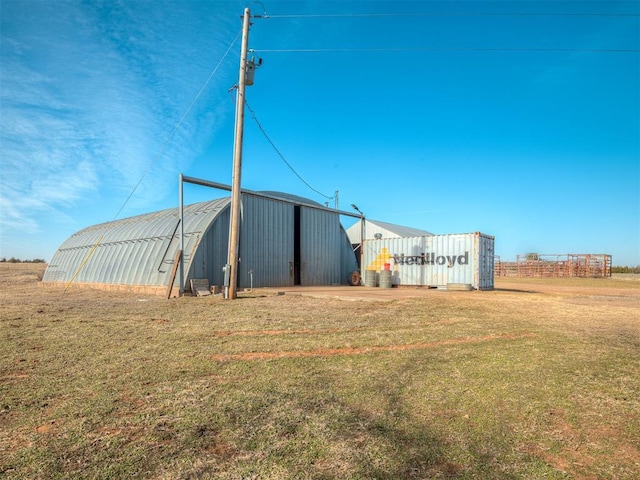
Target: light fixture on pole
x,y
354,206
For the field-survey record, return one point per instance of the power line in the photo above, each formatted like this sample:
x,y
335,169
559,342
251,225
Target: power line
x,y
154,159
443,49
451,14
450,49
253,115
163,147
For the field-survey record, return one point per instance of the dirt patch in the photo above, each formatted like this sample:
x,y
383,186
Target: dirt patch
x,y
254,333
579,449
618,300
48,428
328,352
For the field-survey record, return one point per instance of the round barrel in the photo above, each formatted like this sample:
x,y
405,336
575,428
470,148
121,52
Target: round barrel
x,y
385,279
370,278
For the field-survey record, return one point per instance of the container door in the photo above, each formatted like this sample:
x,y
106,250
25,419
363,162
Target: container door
x,y
485,262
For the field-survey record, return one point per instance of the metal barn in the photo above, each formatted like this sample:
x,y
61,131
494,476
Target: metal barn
x,y
284,240
376,228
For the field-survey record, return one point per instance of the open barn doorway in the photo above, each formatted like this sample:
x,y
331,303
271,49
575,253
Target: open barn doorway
x,y
296,245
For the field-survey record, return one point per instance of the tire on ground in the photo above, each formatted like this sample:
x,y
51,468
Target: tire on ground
x,y
354,278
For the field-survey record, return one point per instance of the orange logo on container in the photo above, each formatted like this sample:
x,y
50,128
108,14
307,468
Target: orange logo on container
x,y
383,257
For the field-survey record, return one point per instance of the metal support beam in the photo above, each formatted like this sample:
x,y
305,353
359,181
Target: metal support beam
x,y
181,274
244,191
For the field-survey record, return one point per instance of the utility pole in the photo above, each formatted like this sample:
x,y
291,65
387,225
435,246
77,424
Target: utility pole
x,y
234,232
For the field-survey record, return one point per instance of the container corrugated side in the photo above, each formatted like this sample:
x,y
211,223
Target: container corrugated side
x,y
434,261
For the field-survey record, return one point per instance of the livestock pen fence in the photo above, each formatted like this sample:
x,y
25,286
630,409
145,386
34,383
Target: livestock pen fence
x,y
555,265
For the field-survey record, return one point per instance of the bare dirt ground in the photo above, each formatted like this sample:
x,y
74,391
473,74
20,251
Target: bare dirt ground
x,y
625,286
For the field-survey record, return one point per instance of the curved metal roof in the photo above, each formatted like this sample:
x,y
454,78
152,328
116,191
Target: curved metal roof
x,y
291,198
141,250
388,230
137,250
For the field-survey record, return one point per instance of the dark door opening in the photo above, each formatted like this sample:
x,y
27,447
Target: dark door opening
x,y
356,250
296,245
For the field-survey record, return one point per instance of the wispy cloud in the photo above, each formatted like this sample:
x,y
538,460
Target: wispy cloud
x,y
90,92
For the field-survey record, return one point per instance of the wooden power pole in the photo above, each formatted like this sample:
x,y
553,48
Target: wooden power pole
x,y
234,232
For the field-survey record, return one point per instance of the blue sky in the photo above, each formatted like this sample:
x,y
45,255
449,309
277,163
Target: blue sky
x,y
517,119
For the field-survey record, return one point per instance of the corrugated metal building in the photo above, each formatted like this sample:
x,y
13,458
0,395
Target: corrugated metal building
x,y
284,240
384,229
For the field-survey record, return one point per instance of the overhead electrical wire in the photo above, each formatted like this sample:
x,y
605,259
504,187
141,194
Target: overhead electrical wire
x,y
163,147
253,115
441,49
448,49
451,14
155,158
417,49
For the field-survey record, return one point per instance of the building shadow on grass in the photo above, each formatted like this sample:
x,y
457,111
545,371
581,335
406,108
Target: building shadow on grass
x,y
515,290
398,443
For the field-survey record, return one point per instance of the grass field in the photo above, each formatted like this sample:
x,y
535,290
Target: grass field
x,y
536,379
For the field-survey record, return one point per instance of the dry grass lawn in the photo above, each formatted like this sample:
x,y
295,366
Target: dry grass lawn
x,y
536,379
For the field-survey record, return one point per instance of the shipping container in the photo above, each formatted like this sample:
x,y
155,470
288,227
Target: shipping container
x,y
455,261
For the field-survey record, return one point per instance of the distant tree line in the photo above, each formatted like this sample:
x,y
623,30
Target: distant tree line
x,y
635,269
17,260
